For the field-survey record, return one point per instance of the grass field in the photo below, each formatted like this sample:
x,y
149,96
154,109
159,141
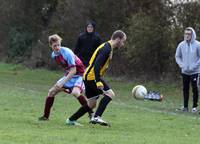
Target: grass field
x,y
22,94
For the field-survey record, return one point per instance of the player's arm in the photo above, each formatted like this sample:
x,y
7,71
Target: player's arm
x,y
66,78
69,56
100,60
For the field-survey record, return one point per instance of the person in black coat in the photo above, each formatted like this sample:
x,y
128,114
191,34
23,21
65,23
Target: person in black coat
x,y
87,43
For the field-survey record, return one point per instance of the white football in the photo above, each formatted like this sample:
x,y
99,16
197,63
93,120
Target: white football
x,y
139,92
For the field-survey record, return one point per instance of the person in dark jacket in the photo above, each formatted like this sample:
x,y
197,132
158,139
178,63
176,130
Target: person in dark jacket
x,y
87,43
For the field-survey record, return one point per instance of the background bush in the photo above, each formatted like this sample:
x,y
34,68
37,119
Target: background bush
x,y
153,27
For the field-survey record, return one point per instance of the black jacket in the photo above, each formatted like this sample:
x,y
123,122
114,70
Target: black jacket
x,y
86,45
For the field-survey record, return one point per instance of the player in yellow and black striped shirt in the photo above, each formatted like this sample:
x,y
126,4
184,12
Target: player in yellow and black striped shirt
x,y
94,84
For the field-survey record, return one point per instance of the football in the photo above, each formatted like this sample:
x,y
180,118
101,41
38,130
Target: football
x,y
139,92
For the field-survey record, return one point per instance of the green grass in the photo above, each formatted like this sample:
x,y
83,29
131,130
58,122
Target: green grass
x,y
22,94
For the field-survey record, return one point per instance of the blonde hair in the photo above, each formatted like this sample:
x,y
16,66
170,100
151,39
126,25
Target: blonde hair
x,y
54,38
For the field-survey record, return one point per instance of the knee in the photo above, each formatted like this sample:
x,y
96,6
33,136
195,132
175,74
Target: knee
x,y
52,92
110,93
75,93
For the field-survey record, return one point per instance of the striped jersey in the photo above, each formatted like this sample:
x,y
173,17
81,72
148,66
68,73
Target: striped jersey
x,y
99,62
67,59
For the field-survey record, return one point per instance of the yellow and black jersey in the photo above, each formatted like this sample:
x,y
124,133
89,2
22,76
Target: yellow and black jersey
x,y
99,62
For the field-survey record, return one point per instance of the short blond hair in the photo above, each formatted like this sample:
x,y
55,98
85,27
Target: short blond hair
x,y
54,38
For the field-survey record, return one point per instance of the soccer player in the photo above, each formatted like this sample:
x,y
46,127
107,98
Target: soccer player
x,y
94,84
188,59
72,81
87,43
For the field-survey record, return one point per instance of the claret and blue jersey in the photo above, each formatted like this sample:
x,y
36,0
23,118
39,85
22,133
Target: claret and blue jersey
x,y
67,59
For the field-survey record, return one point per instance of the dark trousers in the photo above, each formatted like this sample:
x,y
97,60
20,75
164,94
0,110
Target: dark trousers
x,y
194,79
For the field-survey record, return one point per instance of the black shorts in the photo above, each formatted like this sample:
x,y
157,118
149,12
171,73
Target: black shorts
x,y
91,89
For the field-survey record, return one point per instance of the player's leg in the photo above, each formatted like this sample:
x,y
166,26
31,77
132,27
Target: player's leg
x,y
81,98
81,111
108,96
49,101
91,102
78,87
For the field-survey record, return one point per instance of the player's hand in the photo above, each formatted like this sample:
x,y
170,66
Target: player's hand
x,y
100,85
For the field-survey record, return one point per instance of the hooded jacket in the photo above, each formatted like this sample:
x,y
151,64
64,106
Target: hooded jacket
x,y
188,55
86,44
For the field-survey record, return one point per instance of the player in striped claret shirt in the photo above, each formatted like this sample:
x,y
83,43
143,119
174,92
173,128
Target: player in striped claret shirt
x,y
71,82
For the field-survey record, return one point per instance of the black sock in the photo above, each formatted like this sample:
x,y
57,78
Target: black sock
x,y
90,112
102,105
81,111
